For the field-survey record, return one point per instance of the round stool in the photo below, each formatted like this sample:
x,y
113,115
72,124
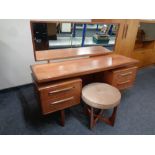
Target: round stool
x,y
101,96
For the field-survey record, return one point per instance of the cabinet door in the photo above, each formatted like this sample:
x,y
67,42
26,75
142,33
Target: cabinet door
x,y
126,37
145,57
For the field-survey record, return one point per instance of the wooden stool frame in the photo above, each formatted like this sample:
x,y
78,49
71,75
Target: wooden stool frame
x,y
94,117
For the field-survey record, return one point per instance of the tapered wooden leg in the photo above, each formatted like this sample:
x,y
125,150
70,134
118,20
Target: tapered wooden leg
x,y
113,116
91,117
85,110
62,112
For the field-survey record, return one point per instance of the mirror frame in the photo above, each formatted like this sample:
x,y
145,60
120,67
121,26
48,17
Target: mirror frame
x,y
93,21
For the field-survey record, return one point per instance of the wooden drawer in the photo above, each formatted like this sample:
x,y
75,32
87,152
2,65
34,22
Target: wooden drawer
x,y
60,95
66,102
121,78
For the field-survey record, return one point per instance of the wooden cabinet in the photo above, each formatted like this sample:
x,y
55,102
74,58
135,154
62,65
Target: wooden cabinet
x,y
146,57
144,51
126,37
126,43
60,95
121,78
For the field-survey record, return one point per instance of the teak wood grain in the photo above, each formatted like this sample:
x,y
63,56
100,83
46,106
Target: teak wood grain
x,y
74,68
71,53
121,78
60,95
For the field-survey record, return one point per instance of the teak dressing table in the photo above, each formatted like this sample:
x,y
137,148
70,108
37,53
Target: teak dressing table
x,y
59,83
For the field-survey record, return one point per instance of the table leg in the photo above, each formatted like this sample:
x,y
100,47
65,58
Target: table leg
x,y
91,117
62,113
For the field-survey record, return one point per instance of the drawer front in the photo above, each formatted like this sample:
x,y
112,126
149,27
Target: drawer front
x,y
61,90
125,74
124,78
61,95
66,102
121,78
124,85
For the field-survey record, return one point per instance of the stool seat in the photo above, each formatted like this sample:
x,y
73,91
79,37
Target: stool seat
x,y
101,95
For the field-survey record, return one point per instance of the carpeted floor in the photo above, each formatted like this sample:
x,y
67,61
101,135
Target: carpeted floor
x,y
20,113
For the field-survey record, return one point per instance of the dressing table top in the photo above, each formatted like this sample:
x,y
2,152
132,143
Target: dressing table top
x,y
73,68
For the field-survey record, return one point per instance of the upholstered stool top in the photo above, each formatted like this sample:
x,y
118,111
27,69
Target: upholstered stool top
x,y
101,95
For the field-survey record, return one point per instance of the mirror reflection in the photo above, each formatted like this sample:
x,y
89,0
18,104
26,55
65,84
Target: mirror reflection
x,y
59,35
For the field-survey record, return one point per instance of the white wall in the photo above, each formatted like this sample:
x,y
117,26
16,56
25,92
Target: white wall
x,y
16,54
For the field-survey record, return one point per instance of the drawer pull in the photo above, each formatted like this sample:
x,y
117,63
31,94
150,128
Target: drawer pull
x,y
60,90
124,82
125,74
123,31
63,100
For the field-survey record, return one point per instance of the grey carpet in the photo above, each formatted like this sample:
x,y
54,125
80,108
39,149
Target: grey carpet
x,y
20,113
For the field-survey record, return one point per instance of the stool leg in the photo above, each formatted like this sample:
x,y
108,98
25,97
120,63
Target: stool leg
x,y
109,121
91,117
86,111
113,116
62,113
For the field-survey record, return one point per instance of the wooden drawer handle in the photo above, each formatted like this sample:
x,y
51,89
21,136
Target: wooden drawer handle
x,y
63,100
123,31
124,82
60,90
126,31
125,74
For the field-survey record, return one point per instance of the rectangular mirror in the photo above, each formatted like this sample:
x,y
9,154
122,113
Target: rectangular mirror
x,y
60,35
